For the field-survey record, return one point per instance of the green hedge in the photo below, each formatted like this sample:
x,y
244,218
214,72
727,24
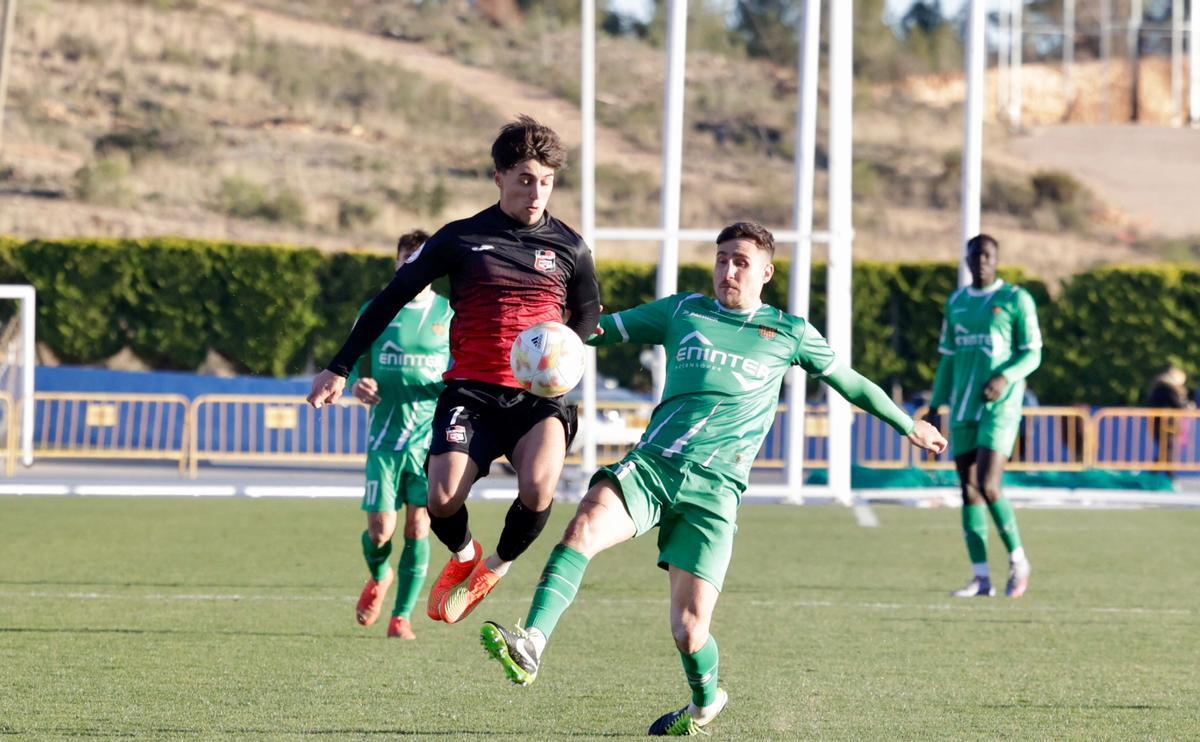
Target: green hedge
x,y
276,310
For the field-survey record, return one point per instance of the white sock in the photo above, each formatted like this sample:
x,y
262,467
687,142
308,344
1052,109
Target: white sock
x,y
498,565
981,571
1018,555
538,639
705,714
467,554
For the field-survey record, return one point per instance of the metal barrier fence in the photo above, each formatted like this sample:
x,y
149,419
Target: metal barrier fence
x,y
248,429
1050,438
284,430
109,426
1145,439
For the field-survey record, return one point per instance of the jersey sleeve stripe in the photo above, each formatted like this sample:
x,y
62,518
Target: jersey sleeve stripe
x,y
945,352
621,327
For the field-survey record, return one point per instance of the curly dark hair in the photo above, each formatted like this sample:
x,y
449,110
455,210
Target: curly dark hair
x,y
409,242
751,232
526,139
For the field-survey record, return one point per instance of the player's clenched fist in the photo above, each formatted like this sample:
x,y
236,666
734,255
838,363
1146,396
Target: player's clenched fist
x,y
366,390
926,436
326,389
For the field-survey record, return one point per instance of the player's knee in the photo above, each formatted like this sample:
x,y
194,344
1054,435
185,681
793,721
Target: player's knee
x,y
379,533
579,534
537,496
991,492
690,634
417,525
441,503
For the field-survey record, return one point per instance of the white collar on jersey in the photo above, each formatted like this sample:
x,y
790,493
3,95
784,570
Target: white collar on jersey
x,y
972,291
731,310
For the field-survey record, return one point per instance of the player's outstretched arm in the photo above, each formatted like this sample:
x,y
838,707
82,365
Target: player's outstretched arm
x,y
583,297
864,393
926,436
642,324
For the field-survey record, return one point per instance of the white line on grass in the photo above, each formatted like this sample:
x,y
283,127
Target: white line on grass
x,y
875,606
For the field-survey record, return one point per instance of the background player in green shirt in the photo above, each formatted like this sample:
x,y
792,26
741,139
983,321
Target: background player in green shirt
x,y
990,342
401,377
726,361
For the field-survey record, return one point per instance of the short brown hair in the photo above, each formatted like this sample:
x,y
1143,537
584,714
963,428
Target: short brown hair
x,y
526,139
410,242
980,241
751,232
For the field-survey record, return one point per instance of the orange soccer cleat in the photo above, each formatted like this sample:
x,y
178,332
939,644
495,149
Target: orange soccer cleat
x,y
460,601
370,603
452,574
400,628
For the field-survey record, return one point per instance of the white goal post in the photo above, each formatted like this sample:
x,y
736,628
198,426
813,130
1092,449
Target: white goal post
x,y
17,364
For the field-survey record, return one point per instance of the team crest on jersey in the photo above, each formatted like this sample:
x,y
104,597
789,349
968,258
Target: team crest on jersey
x,y
543,260
456,434
768,333
438,328
997,311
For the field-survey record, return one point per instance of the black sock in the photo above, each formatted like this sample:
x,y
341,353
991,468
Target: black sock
x,y
452,530
521,528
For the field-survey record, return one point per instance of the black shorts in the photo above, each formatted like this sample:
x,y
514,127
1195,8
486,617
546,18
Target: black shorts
x,y
485,421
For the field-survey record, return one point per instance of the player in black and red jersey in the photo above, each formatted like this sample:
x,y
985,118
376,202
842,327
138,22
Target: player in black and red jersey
x,y
511,266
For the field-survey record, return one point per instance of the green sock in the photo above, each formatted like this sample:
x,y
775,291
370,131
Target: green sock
x,y
376,556
557,588
1006,523
414,561
701,671
975,529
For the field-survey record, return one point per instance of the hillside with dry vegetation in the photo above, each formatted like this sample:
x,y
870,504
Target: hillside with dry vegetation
x,y
342,124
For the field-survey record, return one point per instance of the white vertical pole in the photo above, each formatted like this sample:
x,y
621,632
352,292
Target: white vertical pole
x,y
1177,62
841,244
587,203
1133,37
7,25
1015,100
28,296
972,154
1003,57
1068,50
1106,56
672,180
1194,64
799,279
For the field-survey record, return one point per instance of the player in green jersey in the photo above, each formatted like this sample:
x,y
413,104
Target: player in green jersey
x,y
401,378
726,361
990,342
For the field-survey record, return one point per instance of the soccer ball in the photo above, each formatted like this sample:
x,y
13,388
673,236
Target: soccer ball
x,y
547,359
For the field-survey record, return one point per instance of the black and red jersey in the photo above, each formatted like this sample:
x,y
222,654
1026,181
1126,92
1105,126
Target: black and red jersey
x,y
504,278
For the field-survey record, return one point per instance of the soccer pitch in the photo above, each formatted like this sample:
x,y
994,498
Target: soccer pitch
x,y
235,618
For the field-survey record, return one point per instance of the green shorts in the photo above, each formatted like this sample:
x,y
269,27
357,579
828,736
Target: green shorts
x,y
394,480
695,509
996,433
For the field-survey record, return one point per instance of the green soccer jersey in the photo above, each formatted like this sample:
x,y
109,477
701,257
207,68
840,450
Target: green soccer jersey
x,y
986,332
724,371
407,361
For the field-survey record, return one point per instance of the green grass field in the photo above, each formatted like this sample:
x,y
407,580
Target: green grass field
x,y
234,618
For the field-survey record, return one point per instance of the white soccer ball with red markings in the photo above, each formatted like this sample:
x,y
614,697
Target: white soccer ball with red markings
x,y
547,359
